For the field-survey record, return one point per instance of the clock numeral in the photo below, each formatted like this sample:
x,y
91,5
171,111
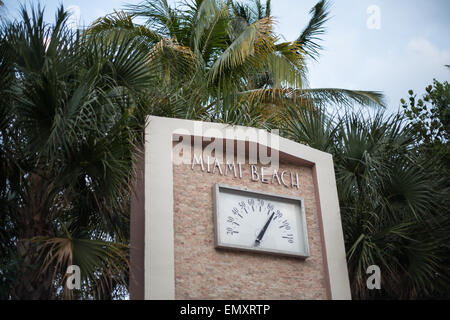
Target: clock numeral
x,y
261,204
236,212
289,237
251,203
270,208
242,205
277,215
285,225
230,231
231,220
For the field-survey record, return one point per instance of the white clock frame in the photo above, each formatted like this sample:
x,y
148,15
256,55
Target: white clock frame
x,y
222,245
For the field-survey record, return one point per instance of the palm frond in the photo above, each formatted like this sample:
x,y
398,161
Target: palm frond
x,y
210,28
100,261
160,17
170,61
255,41
308,39
122,21
318,97
344,97
310,126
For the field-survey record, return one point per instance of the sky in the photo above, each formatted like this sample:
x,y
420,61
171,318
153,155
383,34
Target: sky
x,y
380,45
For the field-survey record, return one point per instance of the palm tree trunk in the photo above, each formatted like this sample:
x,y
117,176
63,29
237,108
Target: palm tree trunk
x,y
32,283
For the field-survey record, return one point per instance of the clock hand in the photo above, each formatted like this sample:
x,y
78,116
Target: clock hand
x,y
263,231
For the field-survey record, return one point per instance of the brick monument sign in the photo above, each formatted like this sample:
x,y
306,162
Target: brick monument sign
x,y
225,212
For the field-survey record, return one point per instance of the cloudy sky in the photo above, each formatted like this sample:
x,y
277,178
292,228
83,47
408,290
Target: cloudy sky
x,y
383,45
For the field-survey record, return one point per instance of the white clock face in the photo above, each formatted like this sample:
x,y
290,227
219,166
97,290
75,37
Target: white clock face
x,y
261,222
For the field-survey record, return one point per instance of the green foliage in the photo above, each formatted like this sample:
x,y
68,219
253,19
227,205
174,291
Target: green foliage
x,y
430,118
308,39
430,115
71,117
223,57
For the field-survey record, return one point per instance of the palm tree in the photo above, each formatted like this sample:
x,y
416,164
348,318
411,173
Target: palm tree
x,y
393,204
222,61
70,115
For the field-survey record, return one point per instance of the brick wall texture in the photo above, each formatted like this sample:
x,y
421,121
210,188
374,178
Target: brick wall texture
x,y
204,272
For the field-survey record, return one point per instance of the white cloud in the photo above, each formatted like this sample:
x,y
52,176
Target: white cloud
x,y
422,48
414,67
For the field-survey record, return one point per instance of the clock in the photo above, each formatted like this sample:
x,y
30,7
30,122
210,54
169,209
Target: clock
x,y
259,221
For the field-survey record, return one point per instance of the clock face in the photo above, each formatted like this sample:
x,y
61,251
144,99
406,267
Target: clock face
x,y
263,222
